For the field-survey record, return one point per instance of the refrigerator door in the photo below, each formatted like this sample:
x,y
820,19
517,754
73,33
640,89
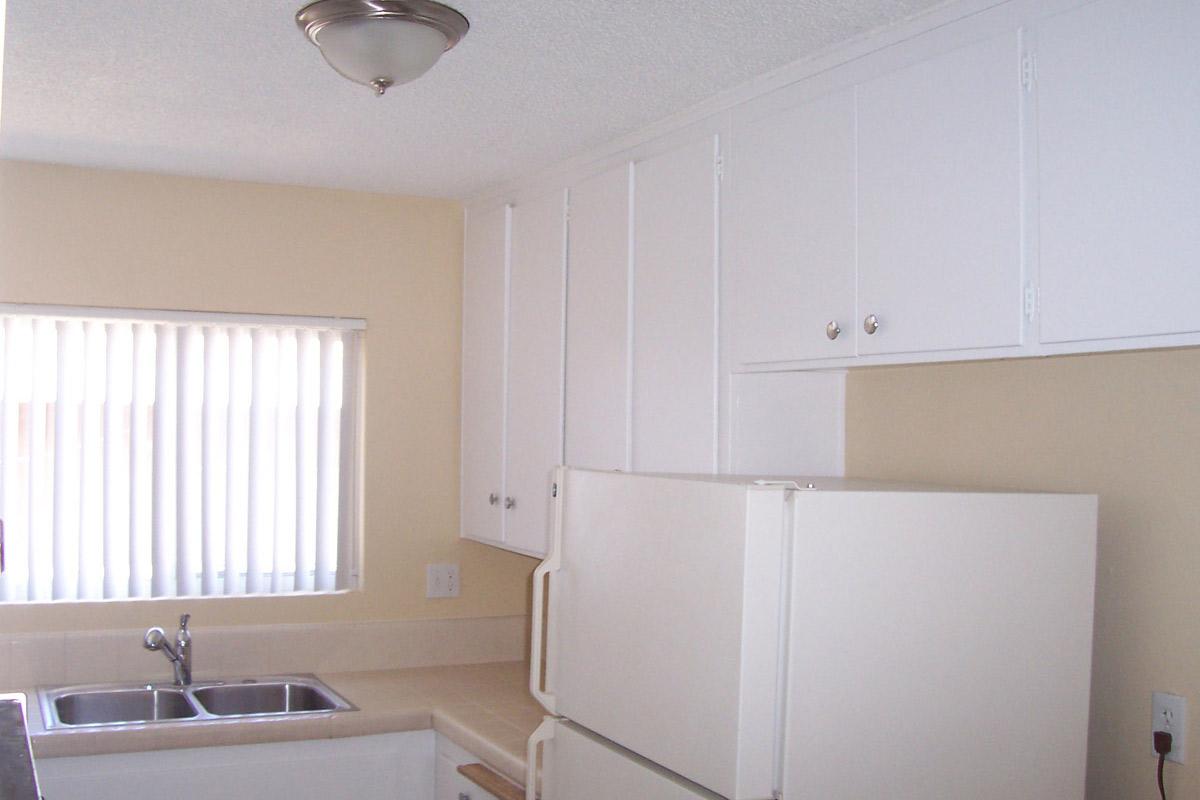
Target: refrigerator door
x,y
578,765
940,645
665,621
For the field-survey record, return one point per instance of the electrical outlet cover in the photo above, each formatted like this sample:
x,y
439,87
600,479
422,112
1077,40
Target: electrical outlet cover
x,y
1170,715
441,580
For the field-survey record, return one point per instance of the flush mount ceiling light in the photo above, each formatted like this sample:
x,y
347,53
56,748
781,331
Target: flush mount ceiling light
x,y
381,43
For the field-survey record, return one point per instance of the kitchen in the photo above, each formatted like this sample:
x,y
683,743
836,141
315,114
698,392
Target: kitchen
x,y
1120,425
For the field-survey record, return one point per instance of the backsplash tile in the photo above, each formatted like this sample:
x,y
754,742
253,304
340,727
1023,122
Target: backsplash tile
x,y
92,657
29,660
231,652
5,662
37,659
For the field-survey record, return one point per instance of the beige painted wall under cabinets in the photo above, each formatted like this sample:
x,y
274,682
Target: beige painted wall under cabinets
x,y
121,239
1125,426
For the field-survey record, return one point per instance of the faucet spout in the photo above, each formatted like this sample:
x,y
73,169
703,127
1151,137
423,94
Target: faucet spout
x,y
180,655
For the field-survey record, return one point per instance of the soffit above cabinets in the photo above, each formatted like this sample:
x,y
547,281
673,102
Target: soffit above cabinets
x,y
231,89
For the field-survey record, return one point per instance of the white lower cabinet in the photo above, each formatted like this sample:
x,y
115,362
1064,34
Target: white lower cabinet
x,y
391,766
414,765
449,784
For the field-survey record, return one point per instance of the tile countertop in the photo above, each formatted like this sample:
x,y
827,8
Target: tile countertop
x,y
484,708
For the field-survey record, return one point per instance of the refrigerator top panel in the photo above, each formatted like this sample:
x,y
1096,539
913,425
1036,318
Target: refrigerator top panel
x,y
819,483
665,621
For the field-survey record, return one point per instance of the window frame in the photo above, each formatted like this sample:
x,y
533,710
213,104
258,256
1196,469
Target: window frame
x,y
351,456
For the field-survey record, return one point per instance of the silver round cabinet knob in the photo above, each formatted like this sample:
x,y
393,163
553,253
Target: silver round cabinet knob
x,y
509,502
832,329
871,324
493,498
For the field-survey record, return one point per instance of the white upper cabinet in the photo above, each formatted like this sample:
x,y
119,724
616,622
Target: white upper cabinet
x,y
791,281
1119,170
533,433
788,423
939,203
512,371
674,359
881,219
597,362
484,279
1023,168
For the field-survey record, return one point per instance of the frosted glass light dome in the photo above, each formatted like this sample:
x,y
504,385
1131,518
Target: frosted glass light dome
x,y
381,43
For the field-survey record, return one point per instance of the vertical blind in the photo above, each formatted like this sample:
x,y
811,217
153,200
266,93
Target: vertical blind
x,y
166,454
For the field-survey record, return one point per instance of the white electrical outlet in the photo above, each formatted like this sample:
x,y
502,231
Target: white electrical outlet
x,y
441,580
1170,715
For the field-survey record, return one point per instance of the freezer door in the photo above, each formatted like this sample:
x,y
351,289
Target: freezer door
x,y
664,623
578,765
941,646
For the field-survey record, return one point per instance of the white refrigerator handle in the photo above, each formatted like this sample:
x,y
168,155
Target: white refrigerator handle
x,y
542,733
548,567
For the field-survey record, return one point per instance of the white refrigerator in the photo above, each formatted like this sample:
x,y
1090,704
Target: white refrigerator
x,y
816,639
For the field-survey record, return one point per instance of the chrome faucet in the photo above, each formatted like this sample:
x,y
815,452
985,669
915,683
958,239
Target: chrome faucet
x,y
180,655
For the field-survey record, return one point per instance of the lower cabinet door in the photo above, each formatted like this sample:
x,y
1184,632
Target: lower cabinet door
x,y
388,766
578,765
453,786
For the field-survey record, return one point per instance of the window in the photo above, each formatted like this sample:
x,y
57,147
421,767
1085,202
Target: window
x,y
170,454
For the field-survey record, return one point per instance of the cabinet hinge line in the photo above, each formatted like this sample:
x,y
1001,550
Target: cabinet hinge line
x,y
1028,71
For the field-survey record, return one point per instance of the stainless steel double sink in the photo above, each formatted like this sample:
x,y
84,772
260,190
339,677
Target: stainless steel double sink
x,y
116,704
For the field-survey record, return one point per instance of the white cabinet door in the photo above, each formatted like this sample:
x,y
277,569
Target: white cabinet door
x,y
939,202
788,423
391,766
597,361
484,277
535,369
674,426
1119,157
450,785
791,233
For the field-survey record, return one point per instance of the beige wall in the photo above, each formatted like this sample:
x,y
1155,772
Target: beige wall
x,y
1124,426
91,237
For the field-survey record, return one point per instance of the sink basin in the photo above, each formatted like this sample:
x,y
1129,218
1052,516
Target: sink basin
x,y
263,698
101,707
204,701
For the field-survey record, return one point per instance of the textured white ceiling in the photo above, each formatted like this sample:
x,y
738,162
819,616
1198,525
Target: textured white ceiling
x,y
231,89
